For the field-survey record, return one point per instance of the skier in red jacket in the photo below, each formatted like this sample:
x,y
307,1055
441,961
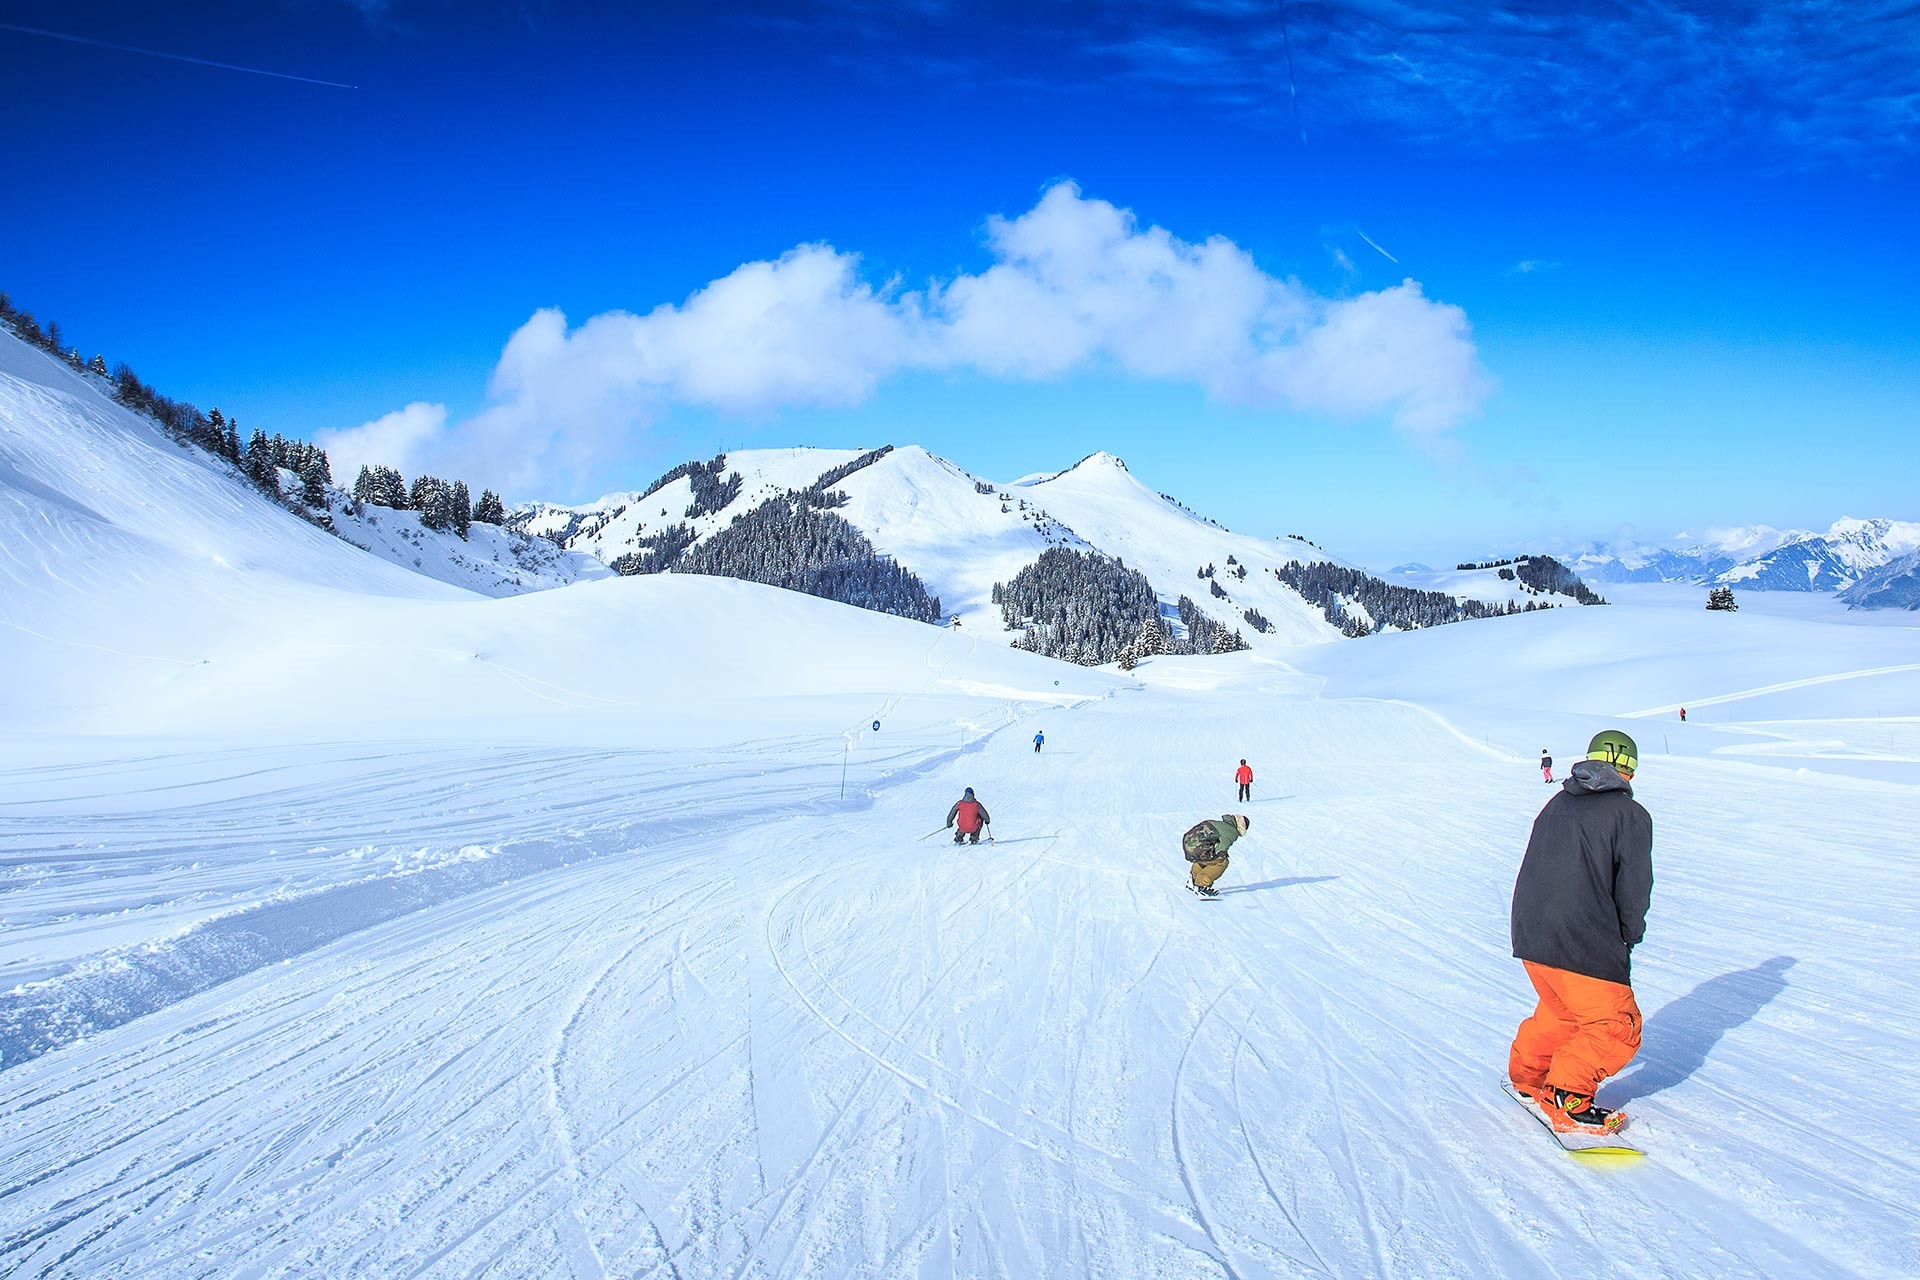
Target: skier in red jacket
x,y
1244,776
966,818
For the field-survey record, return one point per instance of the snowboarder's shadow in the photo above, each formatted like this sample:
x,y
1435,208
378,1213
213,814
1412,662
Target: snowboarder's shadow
x,y
1675,1044
1274,884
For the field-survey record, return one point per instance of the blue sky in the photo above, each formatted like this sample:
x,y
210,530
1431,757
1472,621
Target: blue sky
x,y
1664,267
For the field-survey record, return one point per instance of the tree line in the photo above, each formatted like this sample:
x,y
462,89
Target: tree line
x,y
1091,609
260,459
444,505
792,541
1337,590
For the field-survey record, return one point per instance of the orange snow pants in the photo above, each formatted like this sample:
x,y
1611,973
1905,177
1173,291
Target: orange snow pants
x,y
1582,1031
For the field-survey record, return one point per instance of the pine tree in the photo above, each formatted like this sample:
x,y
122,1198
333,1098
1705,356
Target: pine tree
x,y
462,512
489,510
261,467
98,365
314,479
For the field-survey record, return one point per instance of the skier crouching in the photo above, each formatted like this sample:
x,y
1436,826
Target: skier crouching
x,y
1579,908
1205,845
966,818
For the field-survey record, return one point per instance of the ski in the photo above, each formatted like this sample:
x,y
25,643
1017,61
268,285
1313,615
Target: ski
x,y
1579,1142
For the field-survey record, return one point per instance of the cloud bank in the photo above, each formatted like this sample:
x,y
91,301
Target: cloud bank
x,y
1076,286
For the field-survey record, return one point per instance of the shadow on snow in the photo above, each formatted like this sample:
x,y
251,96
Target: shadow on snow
x,y
1682,1034
1274,884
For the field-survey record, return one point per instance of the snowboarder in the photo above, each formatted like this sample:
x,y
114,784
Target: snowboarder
x,y
1039,738
966,818
1579,908
1205,845
1546,765
1244,776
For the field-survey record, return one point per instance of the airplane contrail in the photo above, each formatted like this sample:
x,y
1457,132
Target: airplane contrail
x,y
1376,248
1293,81
176,57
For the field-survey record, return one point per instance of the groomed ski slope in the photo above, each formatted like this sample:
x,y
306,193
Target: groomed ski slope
x,y
352,924
767,1032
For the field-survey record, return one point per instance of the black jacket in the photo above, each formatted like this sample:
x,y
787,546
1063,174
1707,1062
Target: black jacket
x,y
1580,901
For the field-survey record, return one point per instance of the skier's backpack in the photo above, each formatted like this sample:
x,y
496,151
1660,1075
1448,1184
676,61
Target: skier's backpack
x,y
1200,844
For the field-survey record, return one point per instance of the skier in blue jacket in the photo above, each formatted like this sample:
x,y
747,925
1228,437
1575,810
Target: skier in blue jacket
x,y
1039,738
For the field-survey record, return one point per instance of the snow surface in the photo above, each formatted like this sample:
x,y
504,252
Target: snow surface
x,y
363,926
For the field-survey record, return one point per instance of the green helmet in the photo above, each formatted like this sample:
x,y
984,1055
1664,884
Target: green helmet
x,y
1610,746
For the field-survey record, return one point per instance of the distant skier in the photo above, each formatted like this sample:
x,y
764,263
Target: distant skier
x,y
1244,776
1579,908
1546,765
966,818
1039,738
1683,715
1205,845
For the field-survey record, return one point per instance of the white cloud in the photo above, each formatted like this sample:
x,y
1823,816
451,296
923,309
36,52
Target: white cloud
x,y
1076,285
403,439
1532,266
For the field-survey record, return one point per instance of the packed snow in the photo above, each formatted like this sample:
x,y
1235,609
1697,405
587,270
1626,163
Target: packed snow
x,y
359,925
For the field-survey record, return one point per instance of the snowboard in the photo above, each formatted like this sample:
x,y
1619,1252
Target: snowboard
x,y
1579,1142
1204,897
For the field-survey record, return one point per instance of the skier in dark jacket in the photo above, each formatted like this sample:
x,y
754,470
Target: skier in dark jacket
x,y
1579,908
1205,845
967,817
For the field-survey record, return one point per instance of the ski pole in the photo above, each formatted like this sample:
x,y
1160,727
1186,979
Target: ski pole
x,y
936,831
989,833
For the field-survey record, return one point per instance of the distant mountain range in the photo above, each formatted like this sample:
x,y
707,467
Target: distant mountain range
x,y
1759,557
1893,586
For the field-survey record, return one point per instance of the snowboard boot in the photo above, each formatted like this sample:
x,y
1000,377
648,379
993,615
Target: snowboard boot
x,y
1203,891
1570,1112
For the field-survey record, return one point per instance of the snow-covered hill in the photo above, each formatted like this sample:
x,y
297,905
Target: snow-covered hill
x,y
490,560
84,483
1497,583
356,924
961,535
1760,557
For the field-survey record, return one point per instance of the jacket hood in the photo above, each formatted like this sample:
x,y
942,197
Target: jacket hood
x,y
1589,777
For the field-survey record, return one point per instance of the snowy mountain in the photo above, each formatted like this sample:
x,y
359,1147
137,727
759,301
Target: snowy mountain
x,y
1892,586
1759,557
962,535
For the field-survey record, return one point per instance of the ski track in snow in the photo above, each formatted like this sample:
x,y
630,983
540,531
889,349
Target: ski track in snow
x,y
787,1040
